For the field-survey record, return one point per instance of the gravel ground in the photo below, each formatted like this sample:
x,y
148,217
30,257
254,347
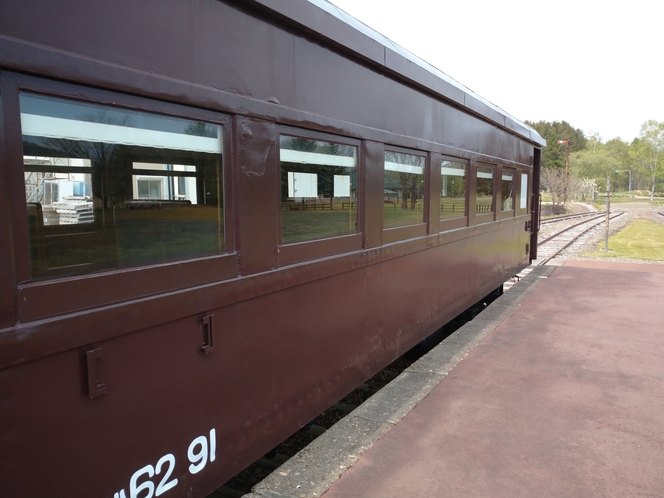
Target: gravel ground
x,y
633,211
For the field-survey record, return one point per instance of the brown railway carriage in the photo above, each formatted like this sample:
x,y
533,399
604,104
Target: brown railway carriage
x,y
216,219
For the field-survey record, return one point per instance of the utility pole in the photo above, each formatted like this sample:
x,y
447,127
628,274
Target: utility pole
x,y
567,143
608,209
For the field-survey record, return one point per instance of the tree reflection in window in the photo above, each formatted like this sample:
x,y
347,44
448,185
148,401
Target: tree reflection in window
x,y
484,197
403,195
453,190
507,190
318,189
112,188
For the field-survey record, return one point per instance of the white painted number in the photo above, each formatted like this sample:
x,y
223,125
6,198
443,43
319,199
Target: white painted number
x,y
199,458
163,485
148,486
213,445
140,485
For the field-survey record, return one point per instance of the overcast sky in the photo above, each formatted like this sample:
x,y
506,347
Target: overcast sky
x,y
598,65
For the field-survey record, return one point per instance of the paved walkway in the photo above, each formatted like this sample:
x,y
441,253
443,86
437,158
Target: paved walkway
x,y
563,399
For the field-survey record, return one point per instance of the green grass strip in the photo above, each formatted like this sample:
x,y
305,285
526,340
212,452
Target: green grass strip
x,y
640,239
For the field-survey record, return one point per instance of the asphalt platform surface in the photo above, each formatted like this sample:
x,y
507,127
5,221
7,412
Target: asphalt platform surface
x,y
556,389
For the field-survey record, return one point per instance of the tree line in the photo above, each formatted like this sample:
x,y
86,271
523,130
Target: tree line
x,y
591,160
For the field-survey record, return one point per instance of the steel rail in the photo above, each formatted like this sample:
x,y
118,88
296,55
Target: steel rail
x,y
549,258
569,217
596,216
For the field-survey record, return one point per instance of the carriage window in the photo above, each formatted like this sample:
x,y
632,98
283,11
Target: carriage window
x,y
507,190
404,190
453,190
484,200
109,188
318,189
523,198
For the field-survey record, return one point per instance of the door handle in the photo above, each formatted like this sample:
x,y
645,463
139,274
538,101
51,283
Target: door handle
x,y
208,334
95,386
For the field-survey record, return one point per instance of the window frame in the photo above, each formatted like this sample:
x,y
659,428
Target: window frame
x,y
420,229
510,213
519,209
446,224
481,217
298,252
113,285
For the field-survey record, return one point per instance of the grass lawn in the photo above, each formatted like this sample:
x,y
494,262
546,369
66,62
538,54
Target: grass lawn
x,y
130,238
394,215
300,226
640,239
628,200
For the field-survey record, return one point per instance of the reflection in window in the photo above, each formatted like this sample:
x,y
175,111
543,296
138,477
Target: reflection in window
x,y
173,182
523,198
148,189
453,190
110,188
64,191
484,198
507,191
403,190
318,189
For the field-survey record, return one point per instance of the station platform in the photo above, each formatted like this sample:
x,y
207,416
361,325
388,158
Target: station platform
x,y
556,389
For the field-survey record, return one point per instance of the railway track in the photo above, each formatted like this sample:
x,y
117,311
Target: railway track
x,y
569,217
566,232
570,234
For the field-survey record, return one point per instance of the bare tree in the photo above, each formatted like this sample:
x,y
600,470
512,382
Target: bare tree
x,y
586,187
553,181
411,187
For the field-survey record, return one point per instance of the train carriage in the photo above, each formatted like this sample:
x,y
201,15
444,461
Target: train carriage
x,y
217,218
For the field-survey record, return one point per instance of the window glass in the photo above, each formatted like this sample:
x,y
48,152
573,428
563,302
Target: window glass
x,y
111,188
453,190
484,199
523,198
318,189
403,190
507,190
